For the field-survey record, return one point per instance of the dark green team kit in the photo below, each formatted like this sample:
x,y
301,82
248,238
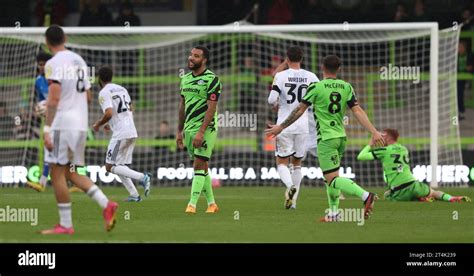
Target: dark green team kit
x,y
397,174
330,99
196,91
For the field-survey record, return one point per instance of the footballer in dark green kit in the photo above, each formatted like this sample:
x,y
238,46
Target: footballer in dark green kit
x,y
197,128
402,185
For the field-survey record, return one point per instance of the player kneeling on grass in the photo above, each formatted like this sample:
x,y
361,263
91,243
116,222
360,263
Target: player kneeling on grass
x,y
401,182
117,107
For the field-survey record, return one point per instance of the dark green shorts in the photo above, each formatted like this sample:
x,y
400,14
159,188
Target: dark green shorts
x,y
205,151
412,192
330,153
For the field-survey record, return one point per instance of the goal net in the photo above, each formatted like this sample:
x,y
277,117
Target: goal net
x,y
392,68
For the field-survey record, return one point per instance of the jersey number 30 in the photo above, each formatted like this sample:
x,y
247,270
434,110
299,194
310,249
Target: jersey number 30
x,y
291,92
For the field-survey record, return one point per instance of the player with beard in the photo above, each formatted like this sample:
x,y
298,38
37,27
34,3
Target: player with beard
x,y
197,128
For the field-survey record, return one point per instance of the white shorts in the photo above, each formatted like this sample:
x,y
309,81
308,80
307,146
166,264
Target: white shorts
x,y
291,145
69,147
120,151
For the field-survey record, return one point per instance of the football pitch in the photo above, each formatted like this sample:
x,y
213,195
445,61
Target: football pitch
x,y
247,215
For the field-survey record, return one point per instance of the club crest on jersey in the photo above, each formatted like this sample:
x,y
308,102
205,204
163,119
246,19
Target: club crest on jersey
x,y
200,82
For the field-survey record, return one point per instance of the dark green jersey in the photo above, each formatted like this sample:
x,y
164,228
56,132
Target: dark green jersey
x,y
196,91
395,162
330,98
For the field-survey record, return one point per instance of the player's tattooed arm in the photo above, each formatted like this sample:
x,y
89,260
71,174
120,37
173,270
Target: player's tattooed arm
x,y
181,115
274,130
294,115
179,135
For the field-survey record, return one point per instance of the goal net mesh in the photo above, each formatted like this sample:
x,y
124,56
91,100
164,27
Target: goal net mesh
x,y
389,71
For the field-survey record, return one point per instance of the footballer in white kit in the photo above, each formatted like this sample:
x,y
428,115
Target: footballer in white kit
x,y
117,107
288,89
65,130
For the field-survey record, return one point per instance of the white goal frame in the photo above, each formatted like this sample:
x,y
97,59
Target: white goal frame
x,y
431,27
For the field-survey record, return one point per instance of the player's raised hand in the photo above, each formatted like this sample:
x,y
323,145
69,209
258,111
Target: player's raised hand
x,y
179,140
273,130
377,140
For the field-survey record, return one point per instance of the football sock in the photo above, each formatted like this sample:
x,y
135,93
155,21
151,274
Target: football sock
x,y
65,216
348,186
207,189
96,194
44,176
285,175
127,182
197,185
333,198
127,172
446,197
296,177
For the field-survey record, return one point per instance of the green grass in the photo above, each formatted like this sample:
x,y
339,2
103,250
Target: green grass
x,y
262,218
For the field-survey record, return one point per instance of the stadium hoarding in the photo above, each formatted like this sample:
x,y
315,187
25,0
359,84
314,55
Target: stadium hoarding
x,y
17,175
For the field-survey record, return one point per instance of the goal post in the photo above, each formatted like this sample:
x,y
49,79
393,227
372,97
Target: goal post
x,y
149,61
434,44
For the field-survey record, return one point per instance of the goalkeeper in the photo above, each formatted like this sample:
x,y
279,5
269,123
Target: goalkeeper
x,y
401,183
41,91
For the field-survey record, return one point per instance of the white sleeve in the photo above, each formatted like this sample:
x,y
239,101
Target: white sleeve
x,y
52,72
105,100
276,89
314,78
273,97
87,83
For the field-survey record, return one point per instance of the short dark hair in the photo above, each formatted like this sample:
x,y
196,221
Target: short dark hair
x,y
55,35
205,51
42,56
105,74
392,132
332,63
295,54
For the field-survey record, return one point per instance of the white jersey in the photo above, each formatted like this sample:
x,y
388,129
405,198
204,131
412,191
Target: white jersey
x,y
70,71
116,97
291,85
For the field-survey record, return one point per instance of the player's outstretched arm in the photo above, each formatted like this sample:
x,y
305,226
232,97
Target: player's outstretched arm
x,y
365,154
361,116
274,130
179,134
